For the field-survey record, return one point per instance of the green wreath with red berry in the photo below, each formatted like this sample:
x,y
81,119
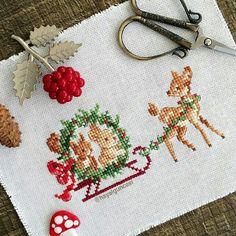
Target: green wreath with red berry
x,y
82,120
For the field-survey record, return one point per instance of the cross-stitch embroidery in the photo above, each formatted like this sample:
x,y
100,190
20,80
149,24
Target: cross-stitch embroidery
x,y
78,167
177,118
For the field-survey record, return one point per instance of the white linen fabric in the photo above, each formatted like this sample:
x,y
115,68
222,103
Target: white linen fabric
x,y
124,86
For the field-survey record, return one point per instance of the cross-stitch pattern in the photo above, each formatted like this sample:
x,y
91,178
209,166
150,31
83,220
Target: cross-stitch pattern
x,y
177,118
77,161
78,167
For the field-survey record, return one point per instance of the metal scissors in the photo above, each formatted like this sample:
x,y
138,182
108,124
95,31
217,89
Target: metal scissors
x,y
149,19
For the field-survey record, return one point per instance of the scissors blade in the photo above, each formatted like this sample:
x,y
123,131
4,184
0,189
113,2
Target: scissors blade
x,y
213,44
226,50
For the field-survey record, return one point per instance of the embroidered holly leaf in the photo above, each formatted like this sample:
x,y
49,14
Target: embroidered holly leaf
x,y
63,51
25,78
44,34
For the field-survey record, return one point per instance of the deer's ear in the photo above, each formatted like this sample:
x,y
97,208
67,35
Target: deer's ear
x,y
188,71
174,74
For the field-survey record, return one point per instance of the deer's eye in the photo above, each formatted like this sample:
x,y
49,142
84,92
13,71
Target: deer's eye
x,y
177,88
106,139
83,150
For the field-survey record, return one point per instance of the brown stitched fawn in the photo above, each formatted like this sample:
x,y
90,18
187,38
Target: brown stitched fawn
x,y
180,87
83,150
107,141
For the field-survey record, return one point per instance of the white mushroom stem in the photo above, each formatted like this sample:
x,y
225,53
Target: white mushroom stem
x,y
69,232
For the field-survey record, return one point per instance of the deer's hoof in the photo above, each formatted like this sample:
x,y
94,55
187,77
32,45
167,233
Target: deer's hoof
x,y
210,145
194,149
223,136
176,160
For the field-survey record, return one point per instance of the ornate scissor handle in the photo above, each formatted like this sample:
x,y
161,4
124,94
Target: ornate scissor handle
x,y
195,20
180,51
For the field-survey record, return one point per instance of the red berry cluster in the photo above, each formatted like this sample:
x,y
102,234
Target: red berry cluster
x,y
63,84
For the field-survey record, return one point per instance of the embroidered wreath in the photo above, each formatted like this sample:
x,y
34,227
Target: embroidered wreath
x,y
63,143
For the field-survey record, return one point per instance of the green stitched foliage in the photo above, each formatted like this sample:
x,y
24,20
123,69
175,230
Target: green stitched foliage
x,y
84,119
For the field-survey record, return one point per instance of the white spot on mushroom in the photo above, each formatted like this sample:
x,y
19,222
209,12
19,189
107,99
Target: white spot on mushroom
x,y
58,230
76,222
53,226
68,223
58,220
65,217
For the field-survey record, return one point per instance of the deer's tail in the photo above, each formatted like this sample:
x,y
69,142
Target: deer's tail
x,y
153,110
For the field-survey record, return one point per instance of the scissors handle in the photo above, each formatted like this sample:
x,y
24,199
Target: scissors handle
x,y
194,17
163,19
169,21
170,35
180,51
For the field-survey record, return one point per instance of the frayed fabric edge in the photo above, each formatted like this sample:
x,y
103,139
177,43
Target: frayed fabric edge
x,y
154,224
13,201
158,223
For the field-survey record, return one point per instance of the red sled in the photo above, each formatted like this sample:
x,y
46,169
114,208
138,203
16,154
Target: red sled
x,y
65,176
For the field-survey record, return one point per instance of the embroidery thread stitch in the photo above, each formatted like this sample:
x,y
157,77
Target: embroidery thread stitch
x,y
177,118
77,167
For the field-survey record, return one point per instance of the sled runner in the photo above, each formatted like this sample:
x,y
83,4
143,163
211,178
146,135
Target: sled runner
x,y
78,168
88,183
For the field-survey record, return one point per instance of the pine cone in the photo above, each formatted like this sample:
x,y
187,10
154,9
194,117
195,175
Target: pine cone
x,y
10,135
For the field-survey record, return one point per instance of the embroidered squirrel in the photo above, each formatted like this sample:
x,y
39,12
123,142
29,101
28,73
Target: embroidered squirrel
x,y
188,112
83,150
107,141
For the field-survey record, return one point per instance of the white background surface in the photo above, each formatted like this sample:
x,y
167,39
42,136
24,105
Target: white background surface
x,y
125,86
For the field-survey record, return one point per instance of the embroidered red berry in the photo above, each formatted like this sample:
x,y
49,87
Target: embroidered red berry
x,y
63,84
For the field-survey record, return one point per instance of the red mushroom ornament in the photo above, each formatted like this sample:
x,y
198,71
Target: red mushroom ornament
x,y
64,223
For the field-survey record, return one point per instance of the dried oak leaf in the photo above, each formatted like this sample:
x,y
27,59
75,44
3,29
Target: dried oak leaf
x,y
10,135
44,34
25,78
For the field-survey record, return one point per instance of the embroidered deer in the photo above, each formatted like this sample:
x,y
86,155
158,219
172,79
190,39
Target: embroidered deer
x,y
188,112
